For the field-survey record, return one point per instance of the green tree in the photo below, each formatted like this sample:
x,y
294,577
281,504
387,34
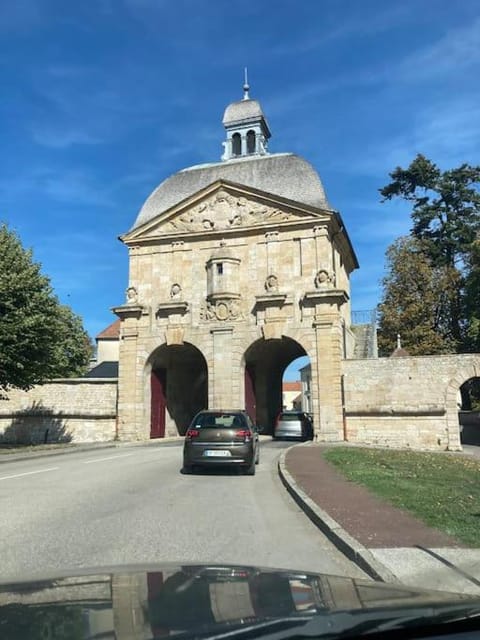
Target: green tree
x,y
39,338
446,207
446,220
472,298
411,305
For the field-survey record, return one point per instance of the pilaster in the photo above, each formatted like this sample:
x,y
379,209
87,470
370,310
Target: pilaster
x,y
221,373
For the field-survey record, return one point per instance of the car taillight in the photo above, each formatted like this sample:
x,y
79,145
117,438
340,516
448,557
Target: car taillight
x,y
246,434
192,433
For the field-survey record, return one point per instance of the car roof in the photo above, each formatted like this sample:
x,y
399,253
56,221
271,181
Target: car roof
x,y
224,411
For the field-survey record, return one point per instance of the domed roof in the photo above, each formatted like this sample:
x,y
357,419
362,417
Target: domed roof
x,y
242,110
281,174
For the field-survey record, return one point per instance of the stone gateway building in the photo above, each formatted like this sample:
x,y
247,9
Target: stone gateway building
x,y
236,268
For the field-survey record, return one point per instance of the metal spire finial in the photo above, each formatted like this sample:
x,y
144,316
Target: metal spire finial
x,y
399,342
246,87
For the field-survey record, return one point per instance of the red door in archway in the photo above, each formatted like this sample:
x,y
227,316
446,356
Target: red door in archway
x,y
158,386
250,400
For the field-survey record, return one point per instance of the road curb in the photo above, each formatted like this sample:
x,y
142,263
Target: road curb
x,y
45,453
330,527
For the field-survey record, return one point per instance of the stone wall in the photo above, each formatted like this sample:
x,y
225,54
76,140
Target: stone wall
x,y
406,402
70,410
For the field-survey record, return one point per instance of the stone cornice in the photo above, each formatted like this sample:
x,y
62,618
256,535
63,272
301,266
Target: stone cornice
x,y
128,311
326,296
272,299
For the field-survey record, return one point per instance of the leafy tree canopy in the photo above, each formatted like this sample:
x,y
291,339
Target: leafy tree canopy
x,y
40,339
446,225
411,304
446,206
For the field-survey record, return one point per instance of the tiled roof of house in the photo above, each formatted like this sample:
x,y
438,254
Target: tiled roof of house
x,y
108,369
292,386
112,331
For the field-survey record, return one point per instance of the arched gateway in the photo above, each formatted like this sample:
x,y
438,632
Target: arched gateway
x,y
236,268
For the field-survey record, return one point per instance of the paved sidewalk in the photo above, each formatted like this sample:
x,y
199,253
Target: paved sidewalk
x,y
387,542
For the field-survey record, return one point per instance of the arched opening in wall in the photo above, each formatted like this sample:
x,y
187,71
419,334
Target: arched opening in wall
x,y
265,365
468,403
250,141
178,388
236,144
296,386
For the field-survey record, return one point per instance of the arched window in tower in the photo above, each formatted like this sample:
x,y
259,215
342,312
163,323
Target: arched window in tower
x,y
236,145
251,141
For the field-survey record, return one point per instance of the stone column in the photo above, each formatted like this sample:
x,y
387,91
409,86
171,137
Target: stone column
x,y
323,250
327,377
127,428
130,392
328,339
243,148
271,239
220,375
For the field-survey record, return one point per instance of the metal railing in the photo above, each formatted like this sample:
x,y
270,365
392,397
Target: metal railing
x,y
368,316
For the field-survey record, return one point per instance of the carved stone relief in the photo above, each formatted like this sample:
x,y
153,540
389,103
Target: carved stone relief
x,y
324,279
175,291
132,295
271,283
224,211
221,310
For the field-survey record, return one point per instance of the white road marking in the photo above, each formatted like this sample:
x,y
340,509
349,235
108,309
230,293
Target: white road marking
x,y
29,473
125,455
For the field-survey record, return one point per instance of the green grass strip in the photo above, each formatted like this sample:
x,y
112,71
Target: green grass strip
x,y
442,490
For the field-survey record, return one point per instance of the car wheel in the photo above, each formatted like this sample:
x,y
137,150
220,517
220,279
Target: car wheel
x,y
250,471
187,469
257,459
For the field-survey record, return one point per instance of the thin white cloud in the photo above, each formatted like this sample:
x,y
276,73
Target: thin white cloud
x,y
73,115
362,25
73,187
451,131
60,137
455,52
380,230
447,131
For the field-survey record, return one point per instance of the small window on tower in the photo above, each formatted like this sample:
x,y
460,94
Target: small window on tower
x,y
251,142
219,268
236,144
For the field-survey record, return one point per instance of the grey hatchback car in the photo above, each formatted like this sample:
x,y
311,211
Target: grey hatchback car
x,y
293,424
221,438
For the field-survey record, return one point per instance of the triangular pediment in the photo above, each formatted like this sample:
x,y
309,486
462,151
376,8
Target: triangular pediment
x,y
225,207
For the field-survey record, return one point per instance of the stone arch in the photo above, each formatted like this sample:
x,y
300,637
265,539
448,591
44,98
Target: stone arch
x,y
263,364
470,369
176,387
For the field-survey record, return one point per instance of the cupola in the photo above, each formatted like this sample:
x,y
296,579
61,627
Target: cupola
x,y
246,127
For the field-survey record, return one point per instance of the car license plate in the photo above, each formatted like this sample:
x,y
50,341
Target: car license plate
x,y
216,453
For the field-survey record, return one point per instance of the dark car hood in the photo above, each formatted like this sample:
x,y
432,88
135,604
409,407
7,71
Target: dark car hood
x,y
193,601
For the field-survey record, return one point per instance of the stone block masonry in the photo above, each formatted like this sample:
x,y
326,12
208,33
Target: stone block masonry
x,y
406,402
69,410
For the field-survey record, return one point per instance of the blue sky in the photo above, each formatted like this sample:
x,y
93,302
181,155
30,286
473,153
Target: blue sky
x,y
104,99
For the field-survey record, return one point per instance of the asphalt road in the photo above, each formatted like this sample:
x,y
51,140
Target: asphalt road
x,y
131,505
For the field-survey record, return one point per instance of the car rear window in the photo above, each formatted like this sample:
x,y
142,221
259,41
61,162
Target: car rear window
x,y
290,417
220,420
